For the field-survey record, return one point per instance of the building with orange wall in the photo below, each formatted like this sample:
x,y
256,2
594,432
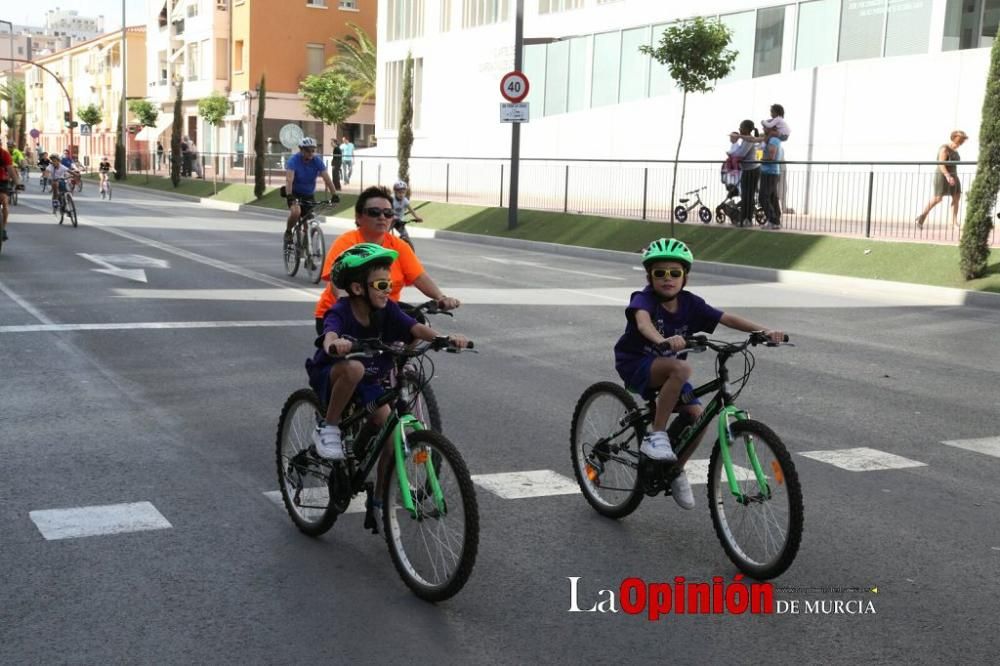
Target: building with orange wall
x,y
225,46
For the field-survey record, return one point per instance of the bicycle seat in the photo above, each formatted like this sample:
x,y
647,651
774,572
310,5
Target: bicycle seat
x,y
684,200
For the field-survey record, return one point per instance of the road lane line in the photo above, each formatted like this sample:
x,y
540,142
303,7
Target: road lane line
x,y
154,325
25,305
987,445
862,459
533,264
98,520
536,483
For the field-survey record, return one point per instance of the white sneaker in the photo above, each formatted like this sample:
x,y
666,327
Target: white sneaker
x,y
680,489
328,444
656,446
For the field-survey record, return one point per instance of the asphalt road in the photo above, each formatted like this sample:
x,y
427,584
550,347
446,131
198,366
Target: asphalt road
x,y
168,391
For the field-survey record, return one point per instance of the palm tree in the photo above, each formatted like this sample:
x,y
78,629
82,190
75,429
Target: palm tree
x,y
356,60
13,94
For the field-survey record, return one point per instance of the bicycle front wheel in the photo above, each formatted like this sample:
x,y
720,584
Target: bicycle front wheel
x,y
304,483
605,453
317,253
424,404
434,548
760,530
71,209
292,253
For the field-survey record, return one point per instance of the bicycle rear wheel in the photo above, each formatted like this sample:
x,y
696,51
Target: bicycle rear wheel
x,y
317,253
433,549
760,532
292,252
605,453
303,480
71,209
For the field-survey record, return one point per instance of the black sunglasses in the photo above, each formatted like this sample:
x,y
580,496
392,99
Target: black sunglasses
x,y
376,212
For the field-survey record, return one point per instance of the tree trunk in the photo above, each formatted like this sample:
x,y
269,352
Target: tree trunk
x,y
677,155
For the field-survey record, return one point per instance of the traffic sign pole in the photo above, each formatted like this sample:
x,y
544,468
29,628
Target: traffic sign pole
x,y
515,131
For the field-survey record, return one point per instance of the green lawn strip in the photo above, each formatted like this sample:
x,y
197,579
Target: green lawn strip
x,y
195,188
274,200
918,263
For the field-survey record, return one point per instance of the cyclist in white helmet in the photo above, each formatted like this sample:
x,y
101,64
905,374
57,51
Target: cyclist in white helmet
x,y
301,171
400,207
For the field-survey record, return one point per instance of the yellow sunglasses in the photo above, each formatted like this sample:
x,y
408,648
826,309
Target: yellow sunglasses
x,y
661,273
381,285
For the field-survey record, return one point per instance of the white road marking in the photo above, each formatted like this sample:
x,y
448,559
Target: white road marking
x,y
537,483
357,504
286,295
25,305
134,274
96,520
145,326
862,459
697,472
536,264
987,445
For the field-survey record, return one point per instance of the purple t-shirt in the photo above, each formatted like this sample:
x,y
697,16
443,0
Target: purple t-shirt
x,y
340,319
693,315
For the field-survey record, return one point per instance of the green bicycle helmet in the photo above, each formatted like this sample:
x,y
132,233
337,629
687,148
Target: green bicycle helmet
x,y
358,258
668,249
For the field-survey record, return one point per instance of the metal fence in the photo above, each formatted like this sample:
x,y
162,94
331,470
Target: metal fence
x,y
860,199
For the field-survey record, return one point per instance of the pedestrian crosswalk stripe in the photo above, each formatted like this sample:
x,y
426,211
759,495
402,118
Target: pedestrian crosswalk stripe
x,y
697,472
536,483
97,520
987,445
316,496
862,459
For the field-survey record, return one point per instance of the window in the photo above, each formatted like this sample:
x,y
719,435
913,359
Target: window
x,y
238,56
193,61
607,61
660,82
556,71
576,96
816,41
405,19
394,91
483,12
316,3
533,66
861,24
549,6
770,32
192,9
315,58
221,5
348,4
744,28
907,27
970,24
635,65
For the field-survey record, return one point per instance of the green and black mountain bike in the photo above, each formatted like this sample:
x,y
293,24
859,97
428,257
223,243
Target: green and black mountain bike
x,y
753,489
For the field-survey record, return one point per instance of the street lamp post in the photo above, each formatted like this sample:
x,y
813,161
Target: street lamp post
x,y
69,100
124,113
515,131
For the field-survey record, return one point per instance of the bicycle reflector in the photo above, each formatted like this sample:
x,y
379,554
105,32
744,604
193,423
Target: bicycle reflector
x,y
420,457
779,476
591,473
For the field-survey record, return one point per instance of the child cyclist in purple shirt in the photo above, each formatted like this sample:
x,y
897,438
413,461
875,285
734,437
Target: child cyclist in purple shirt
x,y
363,272
646,356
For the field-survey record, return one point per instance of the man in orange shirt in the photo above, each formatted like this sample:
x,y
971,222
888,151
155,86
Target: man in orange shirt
x,y
373,215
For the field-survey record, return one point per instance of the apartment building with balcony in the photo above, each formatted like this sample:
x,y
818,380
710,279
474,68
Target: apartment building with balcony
x,y
225,46
91,73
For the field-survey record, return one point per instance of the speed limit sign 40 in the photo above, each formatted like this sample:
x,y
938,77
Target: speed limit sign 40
x,y
514,86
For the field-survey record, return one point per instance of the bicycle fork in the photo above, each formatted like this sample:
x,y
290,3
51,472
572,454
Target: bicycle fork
x,y
729,414
422,457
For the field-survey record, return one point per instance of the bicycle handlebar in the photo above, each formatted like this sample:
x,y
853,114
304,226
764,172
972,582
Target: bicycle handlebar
x,y
432,307
701,342
373,346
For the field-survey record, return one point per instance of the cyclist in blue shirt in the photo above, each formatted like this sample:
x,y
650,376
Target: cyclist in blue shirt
x,y
301,171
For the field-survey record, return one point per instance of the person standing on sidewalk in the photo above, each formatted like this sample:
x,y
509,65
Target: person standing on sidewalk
x,y
770,172
946,179
745,151
347,151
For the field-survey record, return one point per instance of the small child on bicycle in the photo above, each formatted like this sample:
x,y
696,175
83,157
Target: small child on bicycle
x,y
58,173
104,168
400,207
363,272
649,357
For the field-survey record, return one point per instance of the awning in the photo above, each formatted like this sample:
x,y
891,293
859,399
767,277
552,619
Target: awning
x,y
151,134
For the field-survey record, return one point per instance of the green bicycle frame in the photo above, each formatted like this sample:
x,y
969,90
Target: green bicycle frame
x,y
728,413
399,447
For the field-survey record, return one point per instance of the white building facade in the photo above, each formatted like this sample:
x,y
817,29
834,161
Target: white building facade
x,y
860,80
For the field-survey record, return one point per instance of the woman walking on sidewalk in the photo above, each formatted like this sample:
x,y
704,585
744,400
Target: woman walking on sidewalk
x,y
946,179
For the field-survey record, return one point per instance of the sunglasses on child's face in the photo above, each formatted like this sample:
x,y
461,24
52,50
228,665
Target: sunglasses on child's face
x,y
381,285
376,212
661,273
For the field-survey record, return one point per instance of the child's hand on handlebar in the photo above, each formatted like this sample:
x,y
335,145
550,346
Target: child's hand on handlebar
x,y
674,343
775,336
339,347
459,341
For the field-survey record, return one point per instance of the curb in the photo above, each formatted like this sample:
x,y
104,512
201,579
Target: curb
x,y
946,296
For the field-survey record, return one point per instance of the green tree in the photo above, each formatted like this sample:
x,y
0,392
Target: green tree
x,y
90,115
330,97
13,93
258,143
356,60
120,143
696,55
213,109
975,244
404,142
175,137
144,111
